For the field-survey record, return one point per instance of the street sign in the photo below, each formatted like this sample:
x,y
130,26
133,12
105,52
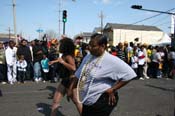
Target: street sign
x,y
39,30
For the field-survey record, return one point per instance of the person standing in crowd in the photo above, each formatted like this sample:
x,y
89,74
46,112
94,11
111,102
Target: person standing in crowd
x,y
2,64
10,54
134,60
156,59
141,62
24,50
37,57
121,52
45,67
66,70
21,69
53,55
171,58
145,67
84,49
100,75
149,60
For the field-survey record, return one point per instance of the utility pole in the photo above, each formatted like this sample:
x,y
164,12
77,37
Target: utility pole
x,y
59,16
14,20
101,19
9,30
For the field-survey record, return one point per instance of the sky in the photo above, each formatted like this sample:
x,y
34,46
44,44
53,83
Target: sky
x,y
82,15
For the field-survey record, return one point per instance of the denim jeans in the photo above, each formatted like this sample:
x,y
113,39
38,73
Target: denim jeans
x,y
29,70
37,70
2,72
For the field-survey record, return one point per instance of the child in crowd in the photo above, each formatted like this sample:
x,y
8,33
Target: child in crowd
x,y
134,62
45,67
21,68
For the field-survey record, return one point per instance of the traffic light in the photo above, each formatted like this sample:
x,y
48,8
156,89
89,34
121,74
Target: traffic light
x,y
64,16
136,6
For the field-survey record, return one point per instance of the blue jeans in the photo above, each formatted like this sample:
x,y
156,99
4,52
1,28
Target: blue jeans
x,y
29,70
37,70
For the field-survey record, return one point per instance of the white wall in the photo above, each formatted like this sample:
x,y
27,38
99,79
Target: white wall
x,y
148,37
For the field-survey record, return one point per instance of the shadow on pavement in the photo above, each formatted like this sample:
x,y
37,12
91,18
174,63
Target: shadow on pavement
x,y
46,109
52,89
161,88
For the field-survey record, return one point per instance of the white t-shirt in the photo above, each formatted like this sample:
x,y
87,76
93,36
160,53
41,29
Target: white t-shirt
x,y
104,74
141,61
134,62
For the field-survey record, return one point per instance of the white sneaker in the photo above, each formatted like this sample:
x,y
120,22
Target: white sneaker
x,y
141,78
14,80
36,79
147,77
3,82
55,79
11,83
40,79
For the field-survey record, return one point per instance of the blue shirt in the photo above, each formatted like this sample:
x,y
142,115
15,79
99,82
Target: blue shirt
x,y
103,75
45,63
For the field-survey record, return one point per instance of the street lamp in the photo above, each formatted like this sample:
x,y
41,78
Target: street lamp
x,y
139,7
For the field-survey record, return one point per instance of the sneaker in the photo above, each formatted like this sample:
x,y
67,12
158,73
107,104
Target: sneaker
x,y
19,82
44,81
141,78
40,79
36,79
11,83
3,82
14,81
55,79
147,77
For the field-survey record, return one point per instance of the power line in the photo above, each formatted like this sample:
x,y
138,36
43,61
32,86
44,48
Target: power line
x,y
151,17
160,20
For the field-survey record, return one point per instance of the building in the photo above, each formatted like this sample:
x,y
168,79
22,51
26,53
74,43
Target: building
x,y
6,37
83,37
97,30
126,32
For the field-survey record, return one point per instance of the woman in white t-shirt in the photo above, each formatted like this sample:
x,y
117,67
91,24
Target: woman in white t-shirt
x,y
141,63
155,62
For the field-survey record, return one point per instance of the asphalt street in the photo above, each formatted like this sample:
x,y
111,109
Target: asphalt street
x,y
152,97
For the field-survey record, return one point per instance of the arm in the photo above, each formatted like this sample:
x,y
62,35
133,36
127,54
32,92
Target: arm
x,y
24,64
113,89
70,64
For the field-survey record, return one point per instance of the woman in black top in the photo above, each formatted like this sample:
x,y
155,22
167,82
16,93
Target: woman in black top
x,y
66,70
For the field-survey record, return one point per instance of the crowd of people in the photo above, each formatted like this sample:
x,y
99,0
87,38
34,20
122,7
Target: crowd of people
x,y
30,60
147,61
27,61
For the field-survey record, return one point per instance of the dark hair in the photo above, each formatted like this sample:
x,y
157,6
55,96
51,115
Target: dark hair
x,y
23,40
102,39
67,46
11,41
